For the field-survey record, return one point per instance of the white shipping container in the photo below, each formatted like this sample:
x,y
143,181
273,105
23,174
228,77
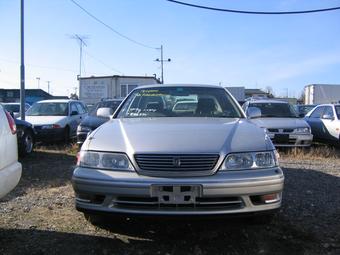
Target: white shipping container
x,y
322,94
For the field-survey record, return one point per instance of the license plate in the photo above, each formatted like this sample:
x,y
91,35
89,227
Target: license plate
x,y
176,194
281,138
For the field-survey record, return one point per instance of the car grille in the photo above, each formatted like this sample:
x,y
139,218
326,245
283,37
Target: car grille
x,y
176,163
284,130
201,203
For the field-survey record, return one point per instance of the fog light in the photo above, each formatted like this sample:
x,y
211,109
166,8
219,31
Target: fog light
x,y
270,198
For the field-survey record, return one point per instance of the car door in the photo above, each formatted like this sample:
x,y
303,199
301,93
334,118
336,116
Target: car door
x,y
75,118
328,119
82,110
314,120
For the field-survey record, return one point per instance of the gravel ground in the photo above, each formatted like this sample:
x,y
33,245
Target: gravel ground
x,y
38,217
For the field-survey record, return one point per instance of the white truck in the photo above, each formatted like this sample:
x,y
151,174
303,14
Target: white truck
x,y
322,94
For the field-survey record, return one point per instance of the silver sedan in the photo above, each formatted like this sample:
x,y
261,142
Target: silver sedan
x,y
150,159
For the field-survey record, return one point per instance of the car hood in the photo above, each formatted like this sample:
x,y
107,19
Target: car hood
x,y
178,135
93,122
280,122
44,120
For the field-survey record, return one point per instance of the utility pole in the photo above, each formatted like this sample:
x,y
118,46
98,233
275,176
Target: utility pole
x,y
38,79
162,61
48,86
22,65
81,40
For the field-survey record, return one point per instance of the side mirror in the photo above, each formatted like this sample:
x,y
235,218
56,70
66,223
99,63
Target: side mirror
x,y
253,112
74,113
327,117
301,115
104,112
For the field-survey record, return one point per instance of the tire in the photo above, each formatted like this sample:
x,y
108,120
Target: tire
x,y
66,138
27,143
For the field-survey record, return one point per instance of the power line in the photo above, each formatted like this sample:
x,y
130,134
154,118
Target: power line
x,y
111,28
255,12
103,63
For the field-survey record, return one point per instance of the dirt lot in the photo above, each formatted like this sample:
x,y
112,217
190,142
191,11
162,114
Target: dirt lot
x,y
38,217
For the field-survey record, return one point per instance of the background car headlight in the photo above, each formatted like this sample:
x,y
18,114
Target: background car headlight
x,y
302,130
103,160
83,129
50,126
249,160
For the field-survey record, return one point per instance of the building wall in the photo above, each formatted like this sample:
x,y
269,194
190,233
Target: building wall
x,y
94,89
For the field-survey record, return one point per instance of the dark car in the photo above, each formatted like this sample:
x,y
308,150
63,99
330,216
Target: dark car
x,y
94,120
26,137
303,109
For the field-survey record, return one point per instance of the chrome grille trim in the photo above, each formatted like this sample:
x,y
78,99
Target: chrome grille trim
x,y
166,162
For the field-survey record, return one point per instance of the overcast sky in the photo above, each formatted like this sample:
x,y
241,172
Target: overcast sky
x,y
206,47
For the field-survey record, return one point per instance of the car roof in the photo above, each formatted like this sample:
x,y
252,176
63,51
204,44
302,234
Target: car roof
x,y
328,105
58,101
267,101
180,85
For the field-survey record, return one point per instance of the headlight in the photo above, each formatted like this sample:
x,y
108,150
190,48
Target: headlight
x,y
302,130
250,160
104,160
83,129
50,126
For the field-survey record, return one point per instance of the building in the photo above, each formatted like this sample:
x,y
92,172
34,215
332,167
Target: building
x,y
256,93
322,93
95,88
31,95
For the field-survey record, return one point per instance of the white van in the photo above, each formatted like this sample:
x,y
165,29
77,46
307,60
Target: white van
x,y
10,168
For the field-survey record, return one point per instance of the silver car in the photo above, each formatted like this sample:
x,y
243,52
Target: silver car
x,y
149,159
280,121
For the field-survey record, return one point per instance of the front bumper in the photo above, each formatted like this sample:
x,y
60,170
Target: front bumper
x,y
233,192
48,135
295,140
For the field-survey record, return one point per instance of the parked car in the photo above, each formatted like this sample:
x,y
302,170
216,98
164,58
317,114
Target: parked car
x,y
26,137
280,121
325,123
14,108
97,116
303,109
151,160
56,120
10,168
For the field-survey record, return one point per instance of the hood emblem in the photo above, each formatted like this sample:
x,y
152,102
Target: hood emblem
x,y
176,161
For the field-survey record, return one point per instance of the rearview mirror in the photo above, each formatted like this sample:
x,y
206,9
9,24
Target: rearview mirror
x,y
104,112
253,112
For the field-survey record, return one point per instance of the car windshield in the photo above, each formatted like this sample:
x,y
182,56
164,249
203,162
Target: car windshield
x,y
337,110
109,104
12,107
180,102
275,110
305,108
48,109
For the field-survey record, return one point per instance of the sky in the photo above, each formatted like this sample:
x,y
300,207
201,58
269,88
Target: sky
x,y
285,52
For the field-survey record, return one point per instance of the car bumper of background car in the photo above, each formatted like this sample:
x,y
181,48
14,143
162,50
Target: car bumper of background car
x,y
9,178
232,192
81,137
50,134
295,140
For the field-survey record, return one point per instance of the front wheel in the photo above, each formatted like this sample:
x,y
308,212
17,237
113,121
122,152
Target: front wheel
x,y
27,143
66,134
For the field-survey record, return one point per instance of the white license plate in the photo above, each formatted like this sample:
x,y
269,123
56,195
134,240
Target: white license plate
x,y
176,194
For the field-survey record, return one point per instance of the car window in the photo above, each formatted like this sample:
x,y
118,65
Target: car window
x,y
12,107
316,114
275,110
337,110
160,102
329,111
74,108
110,104
48,109
80,108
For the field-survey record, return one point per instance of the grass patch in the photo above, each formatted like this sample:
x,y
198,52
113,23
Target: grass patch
x,y
314,152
